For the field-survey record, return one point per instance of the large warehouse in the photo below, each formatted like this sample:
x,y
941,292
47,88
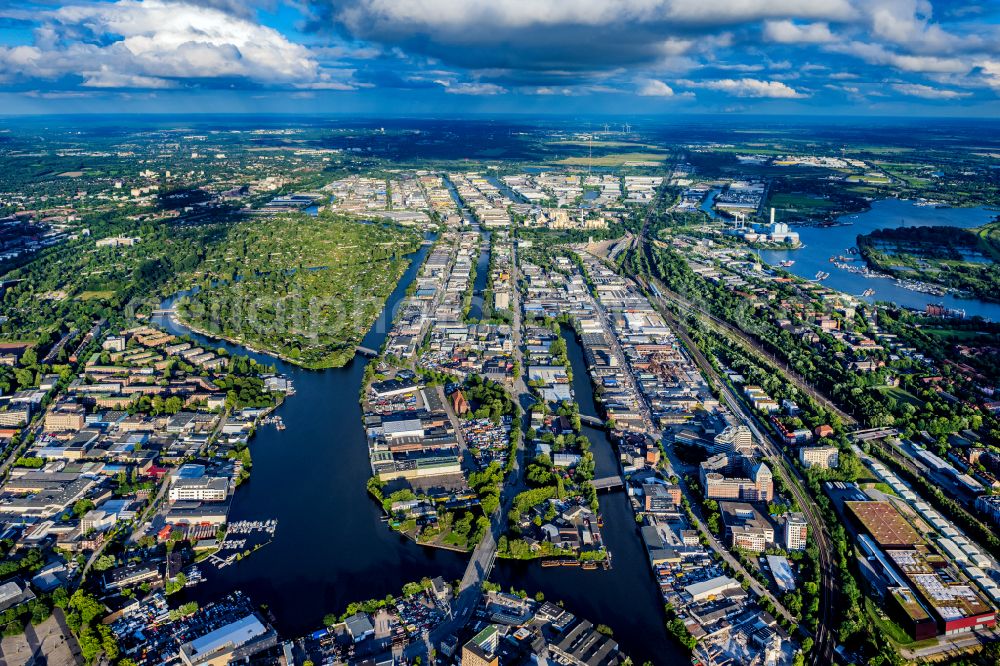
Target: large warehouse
x,y
884,523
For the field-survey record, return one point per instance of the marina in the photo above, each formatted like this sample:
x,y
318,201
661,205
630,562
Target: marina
x,y
885,213
242,538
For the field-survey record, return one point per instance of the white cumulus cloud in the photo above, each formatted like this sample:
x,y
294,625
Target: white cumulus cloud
x,y
655,88
787,32
156,44
750,88
471,88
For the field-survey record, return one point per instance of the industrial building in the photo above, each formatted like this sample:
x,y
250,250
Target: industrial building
x,y
884,523
746,527
234,641
925,591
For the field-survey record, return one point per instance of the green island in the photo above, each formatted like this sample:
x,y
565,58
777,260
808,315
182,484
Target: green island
x,y
959,259
305,288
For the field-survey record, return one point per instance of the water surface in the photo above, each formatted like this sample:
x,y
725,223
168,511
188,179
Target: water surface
x,y
821,243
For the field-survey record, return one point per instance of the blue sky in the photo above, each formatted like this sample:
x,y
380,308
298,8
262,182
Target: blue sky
x,y
398,57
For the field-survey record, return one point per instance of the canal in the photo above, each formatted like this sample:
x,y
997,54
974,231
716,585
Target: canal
x,y
626,597
331,546
478,305
821,243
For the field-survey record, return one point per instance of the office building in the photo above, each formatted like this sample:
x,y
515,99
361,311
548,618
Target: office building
x,y
65,417
796,531
481,650
202,489
725,476
746,527
660,498
734,439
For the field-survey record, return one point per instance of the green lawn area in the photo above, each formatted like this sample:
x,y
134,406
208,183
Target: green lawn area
x,y
867,179
90,295
952,334
901,395
990,236
615,159
885,488
883,150
603,144
799,202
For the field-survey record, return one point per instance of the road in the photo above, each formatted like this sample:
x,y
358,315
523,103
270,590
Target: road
x,y
824,640
481,563
950,647
717,546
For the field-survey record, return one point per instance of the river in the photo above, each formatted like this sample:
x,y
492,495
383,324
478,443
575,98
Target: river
x,y
626,597
331,546
823,242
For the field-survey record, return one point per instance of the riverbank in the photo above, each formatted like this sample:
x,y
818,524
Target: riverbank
x,y
822,243
331,548
625,597
176,319
956,261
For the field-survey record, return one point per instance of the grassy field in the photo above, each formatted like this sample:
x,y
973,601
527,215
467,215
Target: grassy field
x,y
901,395
91,295
804,203
952,334
885,488
615,159
989,234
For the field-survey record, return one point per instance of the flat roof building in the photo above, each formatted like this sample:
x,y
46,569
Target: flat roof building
x,y
796,531
712,587
360,627
884,523
221,646
200,489
582,645
746,527
819,456
481,650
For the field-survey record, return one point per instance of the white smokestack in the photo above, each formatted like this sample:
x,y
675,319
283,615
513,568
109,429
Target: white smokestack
x,y
772,215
